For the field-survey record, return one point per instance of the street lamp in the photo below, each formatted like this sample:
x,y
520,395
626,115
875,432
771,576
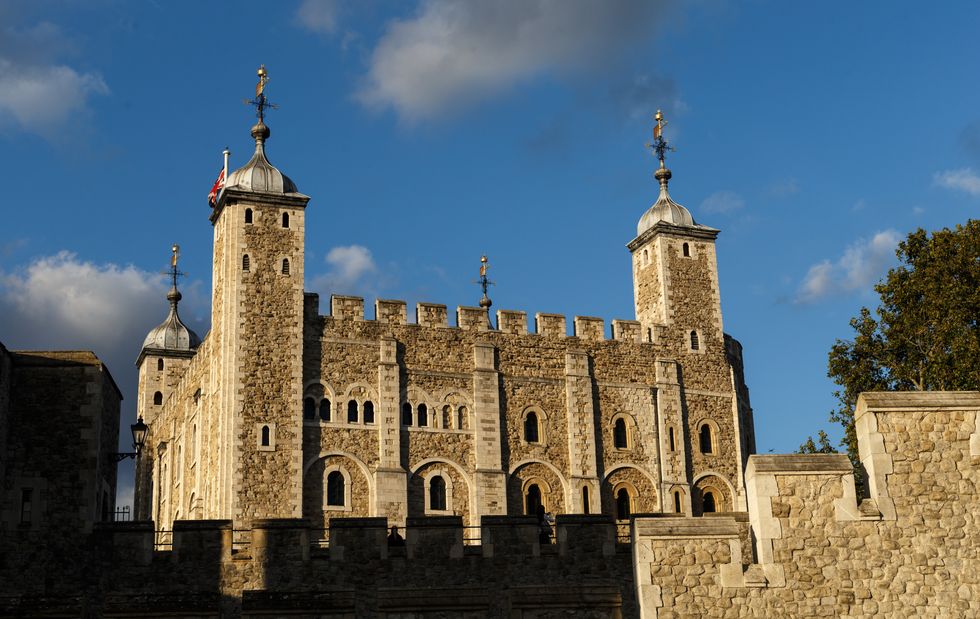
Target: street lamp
x,y
139,430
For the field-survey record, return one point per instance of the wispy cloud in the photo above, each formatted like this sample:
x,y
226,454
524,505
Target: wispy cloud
x,y
722,202
319,16
455,53
862,263
350,270
964,179
784,188
38,93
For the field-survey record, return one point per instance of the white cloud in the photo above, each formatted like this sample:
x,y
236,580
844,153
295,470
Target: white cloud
x,y
38,94
453,53
964,179
722,202
349,270
318,16
862,264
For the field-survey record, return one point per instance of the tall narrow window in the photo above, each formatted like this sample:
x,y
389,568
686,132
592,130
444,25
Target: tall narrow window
x,y
406,414
285,220
447,416
585,500
705,439
708,502
437,494
248,215
352,411
325,409
671,443
266,436
26,504
677,501
309,409
532,500
687,250
369,412
531,434
423,415
623,504
619,434
646,257
461,418
285,266
159,365
335,489
157,398
246,263
695,342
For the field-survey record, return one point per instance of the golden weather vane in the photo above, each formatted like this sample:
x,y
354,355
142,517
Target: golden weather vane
x,y
659,144
260,102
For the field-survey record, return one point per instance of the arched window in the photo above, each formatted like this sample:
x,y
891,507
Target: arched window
x,y
695,341
646,257
531,434
325,409
585,499
671,442
423,416
620,438
461,418
687,250
309,409
708,502
447,416
285,220
532,500
266,436
246,264
649,334
248,215
159,365
335,489
157,398
285,266
437,493
368,411
352,411
623,504
677,501
704,435
406,414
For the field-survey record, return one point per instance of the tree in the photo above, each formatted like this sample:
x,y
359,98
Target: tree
x,y
821,446
924,335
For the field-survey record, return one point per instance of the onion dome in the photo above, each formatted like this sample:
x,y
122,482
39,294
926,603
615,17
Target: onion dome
x,y
258,174
172,334
664,209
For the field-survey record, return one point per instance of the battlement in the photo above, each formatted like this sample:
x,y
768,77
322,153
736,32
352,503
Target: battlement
x,y
513,322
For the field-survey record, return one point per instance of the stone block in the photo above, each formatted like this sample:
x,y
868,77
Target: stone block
x,y
627,330
550,325
346,308
130,542
472,318
589,328
359,539
512,321
433,537
391,311
203,541
431,315
508,535
582,535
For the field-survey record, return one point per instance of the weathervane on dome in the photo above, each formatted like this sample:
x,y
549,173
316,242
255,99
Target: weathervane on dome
x,y
260,102
485,284
659,144
172,271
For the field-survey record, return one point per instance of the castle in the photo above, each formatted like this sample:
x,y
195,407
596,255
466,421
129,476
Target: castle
x,y
281,412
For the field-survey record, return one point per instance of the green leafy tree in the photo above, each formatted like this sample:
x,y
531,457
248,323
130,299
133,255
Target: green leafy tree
x,y
821,446
924,335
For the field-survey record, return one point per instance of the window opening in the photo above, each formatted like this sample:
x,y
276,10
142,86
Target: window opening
x,y
352,411
687,250
246,263
369,412
285,220
708,502
335,489
623,504
677,501
461,421
585,499
285,266
26,504
532,500
406,414
705,439
437,493
423,415
248,215
325,409
309,409
159,365
266,435
619,434
531,434
695,342
671,445
157,398
447,416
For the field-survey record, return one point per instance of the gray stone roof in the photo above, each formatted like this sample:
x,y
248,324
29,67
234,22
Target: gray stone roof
x,y
172,333
258,174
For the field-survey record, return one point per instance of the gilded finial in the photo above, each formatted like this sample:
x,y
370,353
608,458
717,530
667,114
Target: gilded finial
x,y
174,295
660,147
260,102
485,283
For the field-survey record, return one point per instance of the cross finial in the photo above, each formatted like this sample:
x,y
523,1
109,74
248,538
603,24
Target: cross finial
x,y
484,283
659,144
173,272
260,102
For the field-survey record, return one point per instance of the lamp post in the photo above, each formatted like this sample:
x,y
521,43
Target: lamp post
x,y
139,430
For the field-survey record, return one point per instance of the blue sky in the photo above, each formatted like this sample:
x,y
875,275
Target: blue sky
x,y
814,135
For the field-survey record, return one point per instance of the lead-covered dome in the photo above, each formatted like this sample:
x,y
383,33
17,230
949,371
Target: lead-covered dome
x,y
258,174
664,209
172,333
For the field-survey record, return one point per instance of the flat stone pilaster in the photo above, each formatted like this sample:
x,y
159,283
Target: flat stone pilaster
x,y
490,478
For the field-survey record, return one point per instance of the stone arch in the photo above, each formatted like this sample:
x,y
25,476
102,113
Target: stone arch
x,y
416,395
720,487
554,490
542,425
715,437
460,407
319,391
356,474
458,484
632,431
642,487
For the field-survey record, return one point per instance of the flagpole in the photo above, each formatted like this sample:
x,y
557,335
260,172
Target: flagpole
x,y
226,153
